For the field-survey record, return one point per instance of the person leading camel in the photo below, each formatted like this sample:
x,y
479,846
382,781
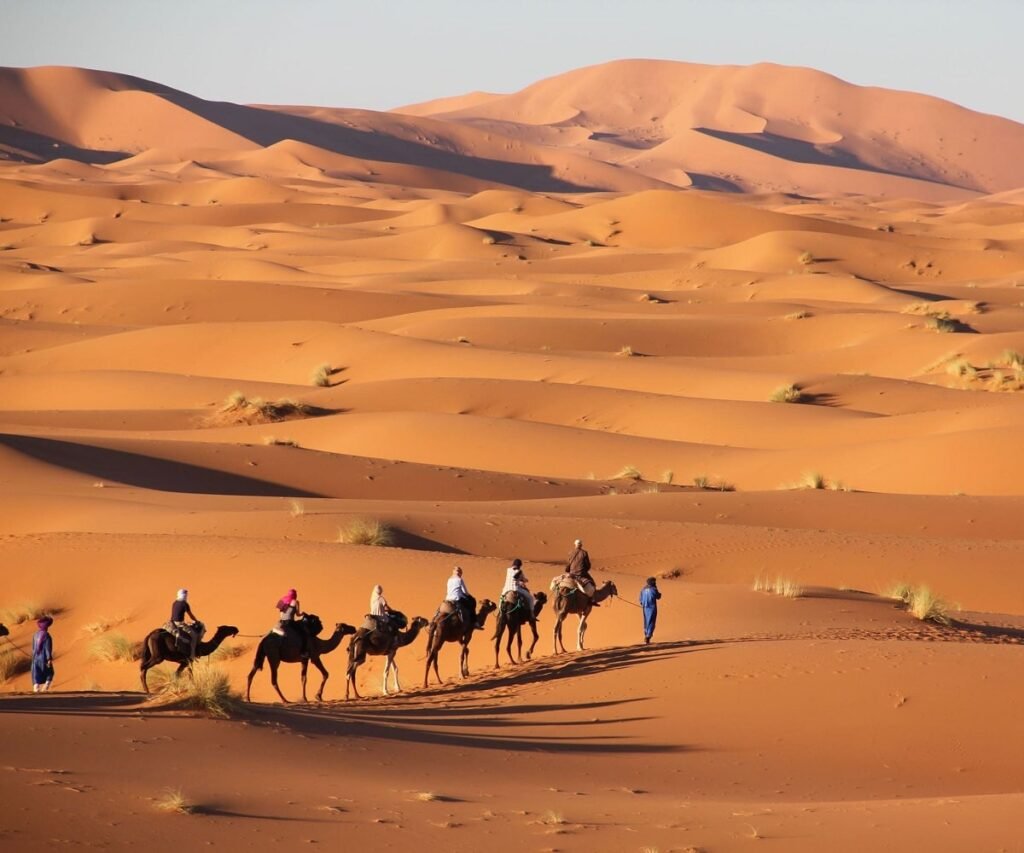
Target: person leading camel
x,y
177,626
42,656
578,568
649,596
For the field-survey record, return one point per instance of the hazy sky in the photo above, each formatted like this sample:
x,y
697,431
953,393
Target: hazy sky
x,y
386,53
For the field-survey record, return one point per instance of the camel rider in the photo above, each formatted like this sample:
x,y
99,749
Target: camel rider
x,y
458,596
516,581
578,568
290,613
179,627
379,610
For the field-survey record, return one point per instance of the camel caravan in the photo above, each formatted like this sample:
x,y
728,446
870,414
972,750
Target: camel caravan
x,y
298,637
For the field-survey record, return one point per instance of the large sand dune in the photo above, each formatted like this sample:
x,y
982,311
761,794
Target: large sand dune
x,y
459,346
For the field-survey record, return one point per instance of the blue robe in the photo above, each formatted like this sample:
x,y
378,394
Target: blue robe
x,y
42,654
649,596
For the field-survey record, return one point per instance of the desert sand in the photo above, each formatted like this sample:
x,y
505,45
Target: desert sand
x,y
506,322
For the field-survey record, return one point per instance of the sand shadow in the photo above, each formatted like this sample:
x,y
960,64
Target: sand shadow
x,y
147,472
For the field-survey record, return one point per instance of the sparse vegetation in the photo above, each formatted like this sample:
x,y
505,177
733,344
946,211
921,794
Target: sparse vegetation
x,y
427,796
798,315
941,323
813,480
787,394
272,441
101,626
961,367
806,258
702,482
239,409
322,375
296,508
552,818
1012,358
626,351
173,802
488,240
113,647
208,690
12,663
671,574
785,587
24,612
628,472
921,603
366,531
667,477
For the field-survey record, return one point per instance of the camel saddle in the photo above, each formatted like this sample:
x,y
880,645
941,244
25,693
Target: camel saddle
x,y
566,584
182,633
511,600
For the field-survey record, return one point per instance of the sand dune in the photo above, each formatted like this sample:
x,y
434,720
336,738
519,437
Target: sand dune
x,y
267,325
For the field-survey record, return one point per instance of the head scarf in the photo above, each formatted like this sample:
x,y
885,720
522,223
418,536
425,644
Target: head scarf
x,y
182,595
578,543
44,623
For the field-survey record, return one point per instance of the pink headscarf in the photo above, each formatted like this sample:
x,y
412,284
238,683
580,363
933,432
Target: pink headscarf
x,y
287,599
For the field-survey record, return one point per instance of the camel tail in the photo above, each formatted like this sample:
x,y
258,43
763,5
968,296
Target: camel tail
x,y
261,656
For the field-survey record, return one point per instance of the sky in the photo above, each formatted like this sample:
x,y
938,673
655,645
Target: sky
x,y
380,55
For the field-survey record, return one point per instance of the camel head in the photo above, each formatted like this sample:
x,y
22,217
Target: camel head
x,y
418,623
3,631
343,630
486,606
540,599
612,589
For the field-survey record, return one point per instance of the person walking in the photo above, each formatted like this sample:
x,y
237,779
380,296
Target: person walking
x,y
649,596
42,656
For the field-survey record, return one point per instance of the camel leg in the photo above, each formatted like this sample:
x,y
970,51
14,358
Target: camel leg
x,y
352,669
519,644
582,630
536,637
273,678
394,669
431,659
464,659
508,645
387,672
248,683
323,671
305,671
558,634
497,643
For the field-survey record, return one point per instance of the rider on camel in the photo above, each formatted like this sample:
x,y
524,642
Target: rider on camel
x,y
458,596
177,625
578,568
516,581
290,614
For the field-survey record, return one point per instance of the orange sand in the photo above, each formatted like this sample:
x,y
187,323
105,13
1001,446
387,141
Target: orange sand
x,y
501,349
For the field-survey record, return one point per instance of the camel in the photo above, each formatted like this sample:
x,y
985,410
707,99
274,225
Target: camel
x,y
287,649
579,603
449,630
513,614
160,646
380,643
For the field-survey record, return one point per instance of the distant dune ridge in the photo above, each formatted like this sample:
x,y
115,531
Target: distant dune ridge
x,y
621,126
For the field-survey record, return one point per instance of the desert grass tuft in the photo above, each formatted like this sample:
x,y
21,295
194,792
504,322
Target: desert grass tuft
x,y
296,508
239,409
322,375
813,480
113,647
667,477
806,258
26,611
553,818
702,482
961,367
941,323
787,588
366,531
271,441
786,394
798,315
628,472
208,690
12,663
173,801
626,351
1012,358
900,592
923,604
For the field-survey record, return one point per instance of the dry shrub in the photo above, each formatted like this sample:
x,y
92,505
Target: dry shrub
x,y
628,472
173,801
366,531
24,612
806,258
12,663
786,394
207,690
798,315
113,647
626,351
923,604
321,375
239,409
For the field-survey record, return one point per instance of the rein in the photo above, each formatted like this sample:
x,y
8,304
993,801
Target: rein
x,y
17,648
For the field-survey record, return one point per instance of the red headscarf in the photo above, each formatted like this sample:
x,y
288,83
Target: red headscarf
x,y
287,600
